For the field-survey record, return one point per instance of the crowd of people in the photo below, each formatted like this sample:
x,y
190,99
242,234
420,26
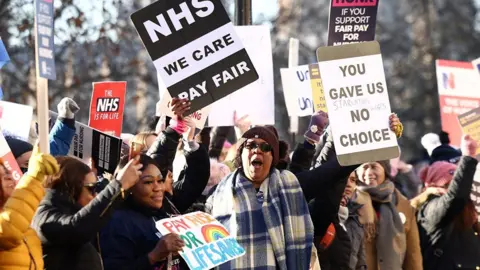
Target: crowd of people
x,y
288,210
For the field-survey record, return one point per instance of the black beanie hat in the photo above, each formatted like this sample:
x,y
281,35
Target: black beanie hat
x,y
18,147
267,135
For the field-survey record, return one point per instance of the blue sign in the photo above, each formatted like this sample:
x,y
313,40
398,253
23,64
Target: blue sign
x,y
4,58
46,48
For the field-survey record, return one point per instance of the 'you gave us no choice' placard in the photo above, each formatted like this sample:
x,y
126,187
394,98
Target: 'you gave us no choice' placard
x,y
356,95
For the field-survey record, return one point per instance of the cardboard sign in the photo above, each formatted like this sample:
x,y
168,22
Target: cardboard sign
x,y
15,119
352,21
91,143
297,90
256,99
470,123
357,100
207,241
199,117
45,43
4,58
106,107
318,96
8,159
195,49
457,84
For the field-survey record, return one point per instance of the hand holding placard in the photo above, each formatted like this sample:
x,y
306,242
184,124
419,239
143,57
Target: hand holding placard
x,y
169,243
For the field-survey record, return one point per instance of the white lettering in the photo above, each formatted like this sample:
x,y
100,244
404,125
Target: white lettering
x,y
45,53
161,28
208,5
184,14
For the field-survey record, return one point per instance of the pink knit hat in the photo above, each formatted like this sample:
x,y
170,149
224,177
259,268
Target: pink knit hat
x,y
438,174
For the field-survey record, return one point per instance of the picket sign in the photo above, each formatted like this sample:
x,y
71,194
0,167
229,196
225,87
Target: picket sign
x,y
195,49
470,123
44,64
458,93
351,21
15,119
297,90
207,242
357,99
6,156
107,106
318,96
89,143
256,99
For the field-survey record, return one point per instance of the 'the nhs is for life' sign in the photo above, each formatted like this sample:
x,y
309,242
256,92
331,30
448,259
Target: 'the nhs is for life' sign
x,y
195,49
44,28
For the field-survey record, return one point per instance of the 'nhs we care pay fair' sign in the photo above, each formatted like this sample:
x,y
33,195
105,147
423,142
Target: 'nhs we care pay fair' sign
x,y
195,49
207,242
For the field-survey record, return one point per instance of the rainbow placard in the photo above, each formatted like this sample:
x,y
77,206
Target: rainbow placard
x,y
207,242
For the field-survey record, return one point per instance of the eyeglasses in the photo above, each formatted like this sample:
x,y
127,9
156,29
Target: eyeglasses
x,y
264,147
92,187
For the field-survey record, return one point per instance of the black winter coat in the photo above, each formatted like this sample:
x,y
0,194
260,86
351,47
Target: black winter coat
x,y
445,246
69,232
131,234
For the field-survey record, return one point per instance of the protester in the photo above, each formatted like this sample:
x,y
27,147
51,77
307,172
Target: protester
x,y
131,240
326,210
21,150
445,152
263,208
62,133
448,219
71,215
20,247
396,244
404,178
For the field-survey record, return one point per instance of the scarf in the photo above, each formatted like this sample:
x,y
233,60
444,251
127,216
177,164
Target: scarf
x,y
285,214
391,239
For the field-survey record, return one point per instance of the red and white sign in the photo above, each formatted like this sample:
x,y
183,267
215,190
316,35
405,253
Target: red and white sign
x,y
458,93
106,108
9,160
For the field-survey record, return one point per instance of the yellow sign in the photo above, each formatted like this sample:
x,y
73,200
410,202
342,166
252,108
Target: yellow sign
x,y
318,95
470,123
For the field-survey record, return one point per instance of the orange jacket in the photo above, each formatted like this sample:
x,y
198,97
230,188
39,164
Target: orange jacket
x,y
20,247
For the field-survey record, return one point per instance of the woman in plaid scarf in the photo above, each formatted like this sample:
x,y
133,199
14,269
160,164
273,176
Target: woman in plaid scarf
x,y
263,208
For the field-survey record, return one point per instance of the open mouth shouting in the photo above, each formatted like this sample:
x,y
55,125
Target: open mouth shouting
x,y
257,163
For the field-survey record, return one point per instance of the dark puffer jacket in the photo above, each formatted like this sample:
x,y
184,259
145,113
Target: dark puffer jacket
x,y
69,232
446,246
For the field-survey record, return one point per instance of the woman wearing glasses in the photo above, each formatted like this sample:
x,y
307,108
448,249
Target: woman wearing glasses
x,y
72,213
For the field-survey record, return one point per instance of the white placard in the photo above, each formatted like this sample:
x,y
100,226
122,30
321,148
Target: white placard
x,y
15,119
297,90
358,105
255,99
